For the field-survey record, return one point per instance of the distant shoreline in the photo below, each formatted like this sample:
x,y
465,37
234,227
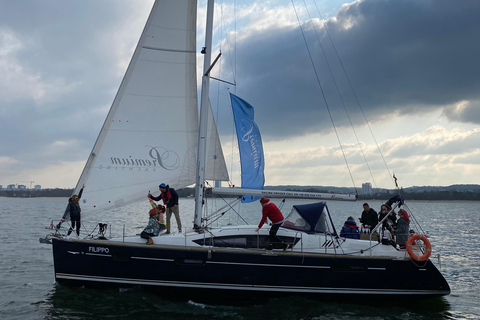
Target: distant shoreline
x,y
32,193
416,193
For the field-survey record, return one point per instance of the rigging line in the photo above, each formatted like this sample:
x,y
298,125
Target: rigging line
x,y
234,82
232,208
354,93
323,95
228,46
235,68
339,94
235,39
412,216
217,138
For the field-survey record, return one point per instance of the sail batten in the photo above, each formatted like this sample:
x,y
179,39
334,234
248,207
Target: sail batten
x,y
169,50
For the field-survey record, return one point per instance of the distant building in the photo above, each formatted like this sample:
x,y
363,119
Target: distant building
x,y
11,187
21,187
367,188
37,187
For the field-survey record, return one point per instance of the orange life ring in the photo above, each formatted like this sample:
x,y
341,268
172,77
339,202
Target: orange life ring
x,y
409,244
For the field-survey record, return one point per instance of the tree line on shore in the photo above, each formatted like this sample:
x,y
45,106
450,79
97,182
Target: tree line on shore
x,y
35,193
436,195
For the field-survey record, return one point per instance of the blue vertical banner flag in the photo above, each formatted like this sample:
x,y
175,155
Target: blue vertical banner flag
x,y
250,145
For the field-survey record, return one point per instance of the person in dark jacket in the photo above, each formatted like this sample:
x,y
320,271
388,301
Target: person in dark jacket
x,y
350,229
383,212
389,223
392,216
73,209
170,199
369,218
403,228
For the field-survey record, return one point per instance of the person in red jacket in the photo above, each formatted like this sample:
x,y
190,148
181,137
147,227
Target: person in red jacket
x,y
271,211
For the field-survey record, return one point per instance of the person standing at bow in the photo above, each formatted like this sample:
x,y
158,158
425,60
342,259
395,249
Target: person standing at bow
x,y
73,208
170,199
271,211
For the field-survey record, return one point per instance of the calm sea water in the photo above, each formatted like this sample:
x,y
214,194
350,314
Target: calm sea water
x,y
28,289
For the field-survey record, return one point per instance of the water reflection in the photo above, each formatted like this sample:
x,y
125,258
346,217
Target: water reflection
x,y
85,303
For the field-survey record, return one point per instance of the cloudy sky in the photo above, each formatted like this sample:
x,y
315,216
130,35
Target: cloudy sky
x,y
409,67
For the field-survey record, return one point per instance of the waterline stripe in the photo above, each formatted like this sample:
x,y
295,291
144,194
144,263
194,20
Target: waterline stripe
x,y
200,285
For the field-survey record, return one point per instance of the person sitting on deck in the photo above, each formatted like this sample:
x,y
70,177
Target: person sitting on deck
x,y
369,218
388,225
350,229
155,224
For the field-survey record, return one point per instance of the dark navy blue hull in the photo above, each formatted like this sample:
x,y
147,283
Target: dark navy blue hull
x,y
228,271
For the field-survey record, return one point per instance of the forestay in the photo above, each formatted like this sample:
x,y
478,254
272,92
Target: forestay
x,y
150,134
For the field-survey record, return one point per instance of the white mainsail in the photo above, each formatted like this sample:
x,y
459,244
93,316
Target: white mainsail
x,y
150,134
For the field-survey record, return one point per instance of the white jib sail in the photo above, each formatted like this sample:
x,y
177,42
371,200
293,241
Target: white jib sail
x,y
216,169
150,134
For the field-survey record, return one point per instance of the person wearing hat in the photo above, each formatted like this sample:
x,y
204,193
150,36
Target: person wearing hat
x,y
170,199
271,211
155,224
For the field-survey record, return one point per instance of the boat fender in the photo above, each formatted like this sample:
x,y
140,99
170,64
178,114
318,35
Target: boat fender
x,y
410,242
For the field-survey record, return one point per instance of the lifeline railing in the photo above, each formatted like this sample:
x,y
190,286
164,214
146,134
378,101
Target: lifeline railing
x,y
379,227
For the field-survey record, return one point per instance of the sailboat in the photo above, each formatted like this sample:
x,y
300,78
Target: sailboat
x,y
153,133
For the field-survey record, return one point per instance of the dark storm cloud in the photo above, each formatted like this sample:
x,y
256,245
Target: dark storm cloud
x,y
404,56
465,111
411,52
67,54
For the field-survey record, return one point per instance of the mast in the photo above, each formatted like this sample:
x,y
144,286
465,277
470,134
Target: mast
x,y
199,187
